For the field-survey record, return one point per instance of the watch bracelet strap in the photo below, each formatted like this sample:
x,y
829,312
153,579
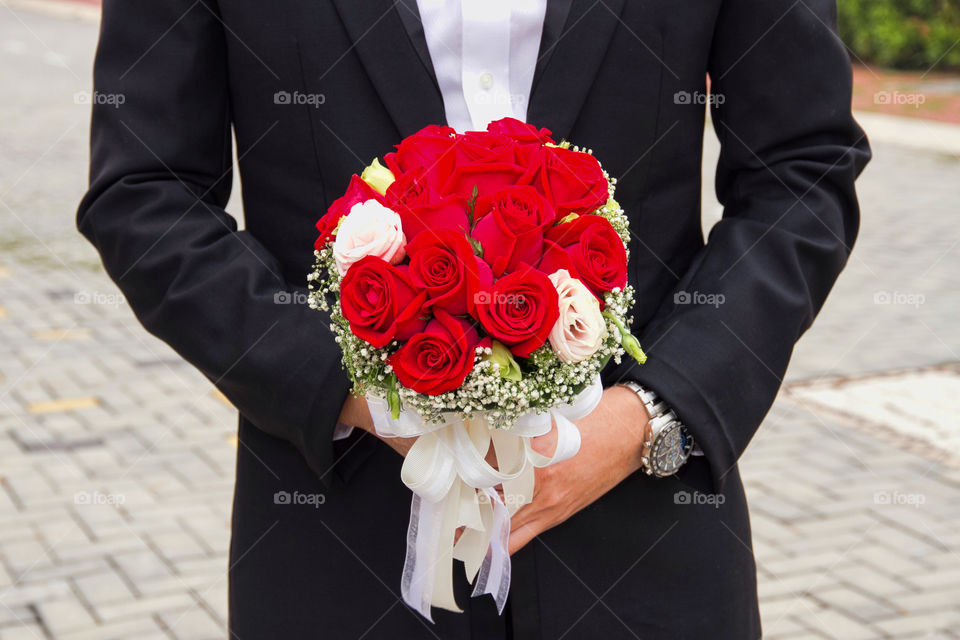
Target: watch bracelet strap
x,y
661,414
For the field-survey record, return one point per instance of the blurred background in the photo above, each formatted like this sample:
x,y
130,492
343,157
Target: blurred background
x,y
116,458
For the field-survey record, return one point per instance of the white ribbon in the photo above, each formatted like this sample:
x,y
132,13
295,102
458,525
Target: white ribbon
x,y
453,486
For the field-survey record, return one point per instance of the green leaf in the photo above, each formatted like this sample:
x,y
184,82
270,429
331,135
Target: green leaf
x,y
471,206
393,397
477,247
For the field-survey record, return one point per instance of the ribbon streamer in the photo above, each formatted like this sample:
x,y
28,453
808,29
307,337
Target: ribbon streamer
x,y
453,487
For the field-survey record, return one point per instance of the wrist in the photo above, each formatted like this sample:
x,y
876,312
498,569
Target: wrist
x,y
667,442
637,421
356,413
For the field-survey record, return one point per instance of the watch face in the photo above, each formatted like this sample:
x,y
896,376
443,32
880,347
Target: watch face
x,y
670,451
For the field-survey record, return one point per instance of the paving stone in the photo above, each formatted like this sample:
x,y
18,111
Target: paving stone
x,y
856,603
103,588
837,625
47,575
61,616
142,567
24,556
942,576
879,554
782,628
928,623
27,594
145,607
192,624
177,545
807,562
928,600
23,632
874,581
12,614
793,586
140,628
931,635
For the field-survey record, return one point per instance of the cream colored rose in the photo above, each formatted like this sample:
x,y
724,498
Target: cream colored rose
x,y
580,329
370,229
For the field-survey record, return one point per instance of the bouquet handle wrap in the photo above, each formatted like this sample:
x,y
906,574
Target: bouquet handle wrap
x,y
454,487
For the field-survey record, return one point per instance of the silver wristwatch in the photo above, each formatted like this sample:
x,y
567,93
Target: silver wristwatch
x,y
670,442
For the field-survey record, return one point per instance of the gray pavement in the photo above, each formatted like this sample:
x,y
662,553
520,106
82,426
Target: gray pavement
x,y
116,459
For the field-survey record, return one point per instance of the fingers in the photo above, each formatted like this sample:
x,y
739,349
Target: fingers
x,y
356,413
520,536
524,517
530,510
547,443
491,458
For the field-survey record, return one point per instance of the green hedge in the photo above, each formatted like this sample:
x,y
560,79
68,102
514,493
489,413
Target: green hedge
x,y
903,34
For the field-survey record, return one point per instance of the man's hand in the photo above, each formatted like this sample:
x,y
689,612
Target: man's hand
x,y
612,444
356,414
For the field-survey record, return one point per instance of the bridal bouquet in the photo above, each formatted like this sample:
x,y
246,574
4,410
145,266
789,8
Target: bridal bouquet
x,y
477,285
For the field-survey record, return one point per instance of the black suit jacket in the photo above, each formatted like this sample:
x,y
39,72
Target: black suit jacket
x,y
625,78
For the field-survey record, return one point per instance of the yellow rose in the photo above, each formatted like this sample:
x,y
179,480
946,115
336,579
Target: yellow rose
x,y
377,176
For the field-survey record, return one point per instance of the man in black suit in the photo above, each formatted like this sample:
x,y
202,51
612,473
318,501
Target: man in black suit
x,y
642,556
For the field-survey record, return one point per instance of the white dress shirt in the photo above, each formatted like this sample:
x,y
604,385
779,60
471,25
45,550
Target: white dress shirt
x,y
484,53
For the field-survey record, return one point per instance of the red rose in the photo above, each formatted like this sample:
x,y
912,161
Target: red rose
x,y
380,302
595,252
430,149
482,146
489,162
486,177
439,358
511,230
519,310
555,258
357,191
519,131
408,190
420,208
573,181
443,264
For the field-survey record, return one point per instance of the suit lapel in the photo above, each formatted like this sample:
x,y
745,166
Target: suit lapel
x,y
553,23
410,16
403,79
569,58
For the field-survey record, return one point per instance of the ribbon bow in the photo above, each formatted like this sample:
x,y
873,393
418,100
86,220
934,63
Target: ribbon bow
x,y
453,486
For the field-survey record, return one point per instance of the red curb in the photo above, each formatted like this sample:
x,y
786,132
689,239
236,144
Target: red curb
x,y
911,94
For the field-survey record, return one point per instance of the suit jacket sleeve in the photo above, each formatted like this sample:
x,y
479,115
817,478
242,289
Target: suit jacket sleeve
x,y
790,152
159,179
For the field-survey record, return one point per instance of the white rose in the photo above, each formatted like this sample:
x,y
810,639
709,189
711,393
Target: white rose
x,y
580,329
370,229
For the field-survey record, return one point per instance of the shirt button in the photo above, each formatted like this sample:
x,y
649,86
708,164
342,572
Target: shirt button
x,y
486,80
